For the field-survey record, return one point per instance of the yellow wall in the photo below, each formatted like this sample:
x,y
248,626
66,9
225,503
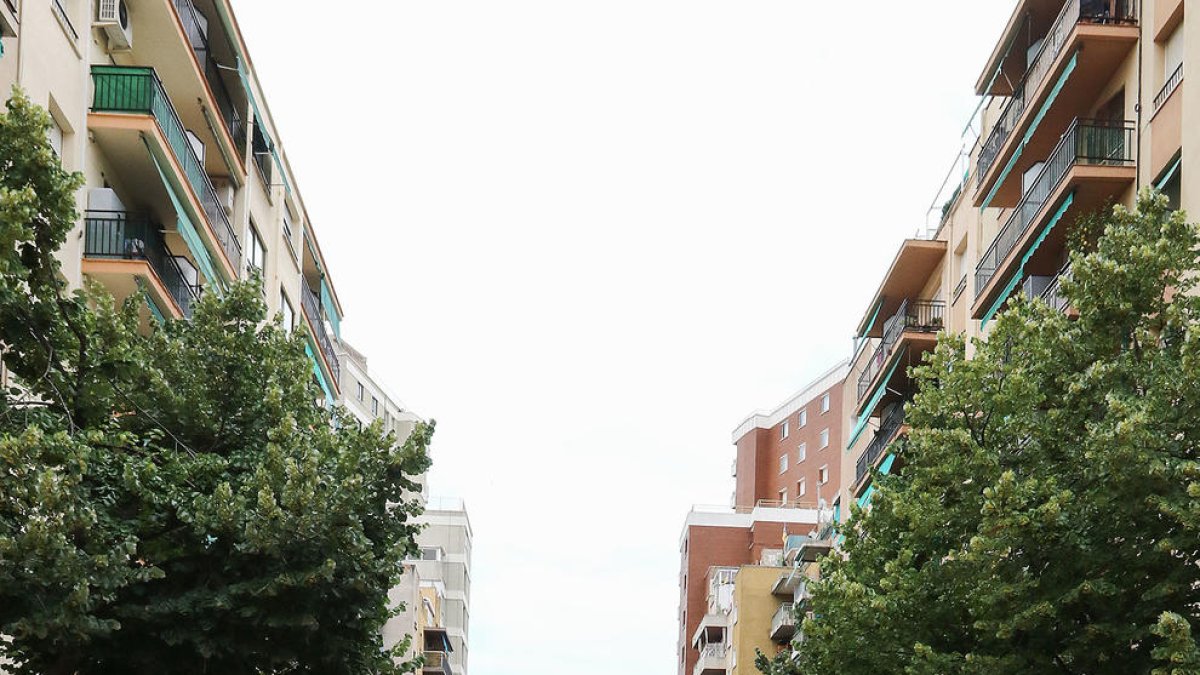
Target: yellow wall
x,y
756,606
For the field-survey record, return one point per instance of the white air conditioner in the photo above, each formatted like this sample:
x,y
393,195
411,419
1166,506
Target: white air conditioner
x,y
225,194
113,17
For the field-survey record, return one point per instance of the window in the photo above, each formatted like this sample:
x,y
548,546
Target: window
x,y
783,463
823,475
803,419
361,393
802,453
824,438
783,496
55,134
783,431
287,225
257,256
825,403
374,406
801,488
289,314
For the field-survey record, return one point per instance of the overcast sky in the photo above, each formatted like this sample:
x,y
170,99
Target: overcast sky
x,y
590,237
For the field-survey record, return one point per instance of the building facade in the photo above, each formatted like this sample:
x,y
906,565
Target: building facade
x,y
188,189
1083,104
445,563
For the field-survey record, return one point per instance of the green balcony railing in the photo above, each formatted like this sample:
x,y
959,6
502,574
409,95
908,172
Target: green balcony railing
x,y
119,236
138,90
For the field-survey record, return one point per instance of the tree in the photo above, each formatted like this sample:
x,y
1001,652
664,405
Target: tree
x,y
175,501
1046,517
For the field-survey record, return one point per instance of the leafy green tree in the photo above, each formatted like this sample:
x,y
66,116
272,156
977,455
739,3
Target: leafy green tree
x,y
1046,517
176,502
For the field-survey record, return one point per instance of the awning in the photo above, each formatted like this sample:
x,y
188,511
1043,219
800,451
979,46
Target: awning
x,y
329,397
1037,119
258,118
1020,273
866,414
154,310
187,229
331,313
1162,182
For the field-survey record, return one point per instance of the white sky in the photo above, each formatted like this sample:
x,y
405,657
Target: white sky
x,y
590,237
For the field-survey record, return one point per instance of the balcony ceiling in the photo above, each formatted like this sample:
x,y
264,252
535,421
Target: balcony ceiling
x,y
906,278
1030,20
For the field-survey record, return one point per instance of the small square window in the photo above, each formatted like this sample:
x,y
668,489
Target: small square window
x,y
783,463
824,438
825,403
361,392
823,475
802,453
783,431
803,419
801,488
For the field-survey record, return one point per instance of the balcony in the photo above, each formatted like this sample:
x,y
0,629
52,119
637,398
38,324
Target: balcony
x,y
1092,164
783,624
316,322
801,549
196,31
436,663
714,660
129,105
1079,54
127,252
1049,289
889,427
907,277
910,332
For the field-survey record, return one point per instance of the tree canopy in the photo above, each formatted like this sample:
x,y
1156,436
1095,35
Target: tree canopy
x,y
175,501
1045,518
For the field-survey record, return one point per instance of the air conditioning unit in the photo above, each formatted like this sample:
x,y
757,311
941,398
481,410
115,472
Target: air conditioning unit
x,y
113,17
225,194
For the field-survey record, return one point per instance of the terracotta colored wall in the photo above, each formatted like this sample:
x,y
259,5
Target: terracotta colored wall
x,y
705,547
758,453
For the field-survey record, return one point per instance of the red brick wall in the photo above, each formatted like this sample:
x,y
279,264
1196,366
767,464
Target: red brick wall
x,y
758,453
705,547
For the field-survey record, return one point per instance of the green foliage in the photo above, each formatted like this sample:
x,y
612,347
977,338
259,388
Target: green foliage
x,y
1046,517
175,502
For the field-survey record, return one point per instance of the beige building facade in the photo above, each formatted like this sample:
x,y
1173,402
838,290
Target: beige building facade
x,y
1083,104
188,189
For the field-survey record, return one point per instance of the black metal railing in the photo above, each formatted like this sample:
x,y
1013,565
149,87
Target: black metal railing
x,y
921,316
889,426
118,235
1073,13
316,317
1086,142
197,37
1053,294
138,90
1168,88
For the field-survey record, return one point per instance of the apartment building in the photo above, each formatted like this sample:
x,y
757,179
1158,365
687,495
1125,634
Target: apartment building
x,y
157,104
735,582
1083,103
445,564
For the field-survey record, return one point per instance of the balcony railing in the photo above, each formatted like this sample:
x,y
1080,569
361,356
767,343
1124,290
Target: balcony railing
x,y
922,316
312,307
1168,88
116,235
198,39
436,662
1086,142
1072,14
1053,294
138,90
887,431
784,618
